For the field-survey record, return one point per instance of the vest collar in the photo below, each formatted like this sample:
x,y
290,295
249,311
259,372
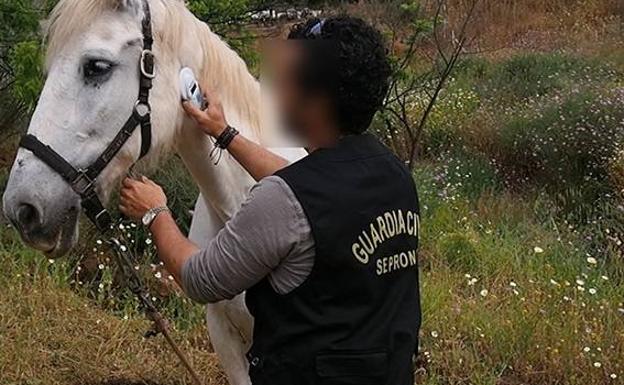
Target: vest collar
x,y
353,147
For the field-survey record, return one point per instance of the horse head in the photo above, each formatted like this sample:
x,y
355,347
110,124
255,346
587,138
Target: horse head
x,y
91,87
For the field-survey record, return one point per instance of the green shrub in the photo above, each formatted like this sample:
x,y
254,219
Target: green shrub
x,y
532,75
569,142
27,63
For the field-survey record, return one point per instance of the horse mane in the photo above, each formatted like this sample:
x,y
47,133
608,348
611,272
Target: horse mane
x,y
223,70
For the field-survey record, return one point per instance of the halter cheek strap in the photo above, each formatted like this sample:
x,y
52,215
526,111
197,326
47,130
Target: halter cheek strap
x,y
82,181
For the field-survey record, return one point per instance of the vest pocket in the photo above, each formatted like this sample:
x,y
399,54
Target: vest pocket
x,y
352,368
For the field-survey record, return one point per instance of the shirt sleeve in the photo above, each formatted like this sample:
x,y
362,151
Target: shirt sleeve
x,y
250,246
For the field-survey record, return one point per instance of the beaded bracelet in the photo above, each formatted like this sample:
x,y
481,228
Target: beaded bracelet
x,y
226,137
222,142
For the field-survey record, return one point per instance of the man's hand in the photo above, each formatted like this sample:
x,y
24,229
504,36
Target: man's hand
x,y
212,119
139,196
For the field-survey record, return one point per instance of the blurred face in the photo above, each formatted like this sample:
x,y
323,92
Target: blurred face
x,y
298,110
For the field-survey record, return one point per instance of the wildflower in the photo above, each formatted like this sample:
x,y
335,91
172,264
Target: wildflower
x,y
586,349
123,248
434,334
484,293
592,260
552,281
50,261
101,266
538,250
597,364
99,241
613,376
580,282
158,275
513,284
148,241
592,291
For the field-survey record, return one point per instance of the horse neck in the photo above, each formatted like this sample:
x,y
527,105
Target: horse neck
x,y
225,185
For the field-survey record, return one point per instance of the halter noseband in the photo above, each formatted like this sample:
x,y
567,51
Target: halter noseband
x,y
82,181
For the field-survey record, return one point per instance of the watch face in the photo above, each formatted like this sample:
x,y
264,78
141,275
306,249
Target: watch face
x,y
148,218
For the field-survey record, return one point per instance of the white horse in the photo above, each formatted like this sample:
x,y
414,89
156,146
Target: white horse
x,y
94,48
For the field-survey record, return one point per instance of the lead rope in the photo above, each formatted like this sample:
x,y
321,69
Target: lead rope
x,y
137,287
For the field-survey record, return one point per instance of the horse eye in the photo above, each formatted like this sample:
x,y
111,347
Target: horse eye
x,y
94,69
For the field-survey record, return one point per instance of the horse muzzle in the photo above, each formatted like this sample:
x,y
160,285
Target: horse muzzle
x,y
43,209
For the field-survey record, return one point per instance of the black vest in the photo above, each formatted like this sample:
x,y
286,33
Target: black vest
x,y
355,320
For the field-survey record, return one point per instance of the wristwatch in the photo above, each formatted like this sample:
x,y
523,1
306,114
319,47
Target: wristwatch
x,y
151,215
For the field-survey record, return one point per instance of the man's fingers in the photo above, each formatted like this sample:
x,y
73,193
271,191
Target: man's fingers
x,y
148,181
129,182
210,97
124,198
133,184
191,109
125,194
205,89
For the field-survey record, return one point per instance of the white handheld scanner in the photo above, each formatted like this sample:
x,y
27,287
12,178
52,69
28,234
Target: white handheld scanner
x,y
189,89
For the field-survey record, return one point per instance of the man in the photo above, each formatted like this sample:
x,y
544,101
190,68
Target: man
x,y
326,247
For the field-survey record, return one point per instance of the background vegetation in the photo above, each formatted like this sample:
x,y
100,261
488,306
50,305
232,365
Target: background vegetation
x,y
520,169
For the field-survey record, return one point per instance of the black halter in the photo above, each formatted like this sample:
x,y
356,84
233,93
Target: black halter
x,y
81,180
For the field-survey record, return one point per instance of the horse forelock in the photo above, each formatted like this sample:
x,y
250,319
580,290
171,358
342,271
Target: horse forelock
x,y
70,17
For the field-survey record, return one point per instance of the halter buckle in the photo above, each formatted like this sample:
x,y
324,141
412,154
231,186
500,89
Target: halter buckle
x,y
143,110
82,184
103,220
144,55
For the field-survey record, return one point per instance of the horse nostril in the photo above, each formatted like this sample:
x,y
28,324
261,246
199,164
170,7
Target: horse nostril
x,y
28,217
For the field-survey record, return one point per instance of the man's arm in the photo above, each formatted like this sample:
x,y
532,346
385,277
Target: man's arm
x,y
242,254
257,160
248,250
174,249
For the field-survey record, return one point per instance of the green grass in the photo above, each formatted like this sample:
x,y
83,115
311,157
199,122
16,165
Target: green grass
x,y
509,299
52,335
522,224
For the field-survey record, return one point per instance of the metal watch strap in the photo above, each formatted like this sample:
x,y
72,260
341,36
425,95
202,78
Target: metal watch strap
x,y
155,212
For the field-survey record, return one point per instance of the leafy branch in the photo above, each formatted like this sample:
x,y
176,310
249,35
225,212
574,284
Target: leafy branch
x,y
409,89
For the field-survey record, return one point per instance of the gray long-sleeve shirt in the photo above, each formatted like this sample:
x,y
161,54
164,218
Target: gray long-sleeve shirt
x,y
270,237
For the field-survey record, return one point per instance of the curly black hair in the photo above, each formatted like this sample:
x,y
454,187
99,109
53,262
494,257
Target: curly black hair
x,y
345,58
